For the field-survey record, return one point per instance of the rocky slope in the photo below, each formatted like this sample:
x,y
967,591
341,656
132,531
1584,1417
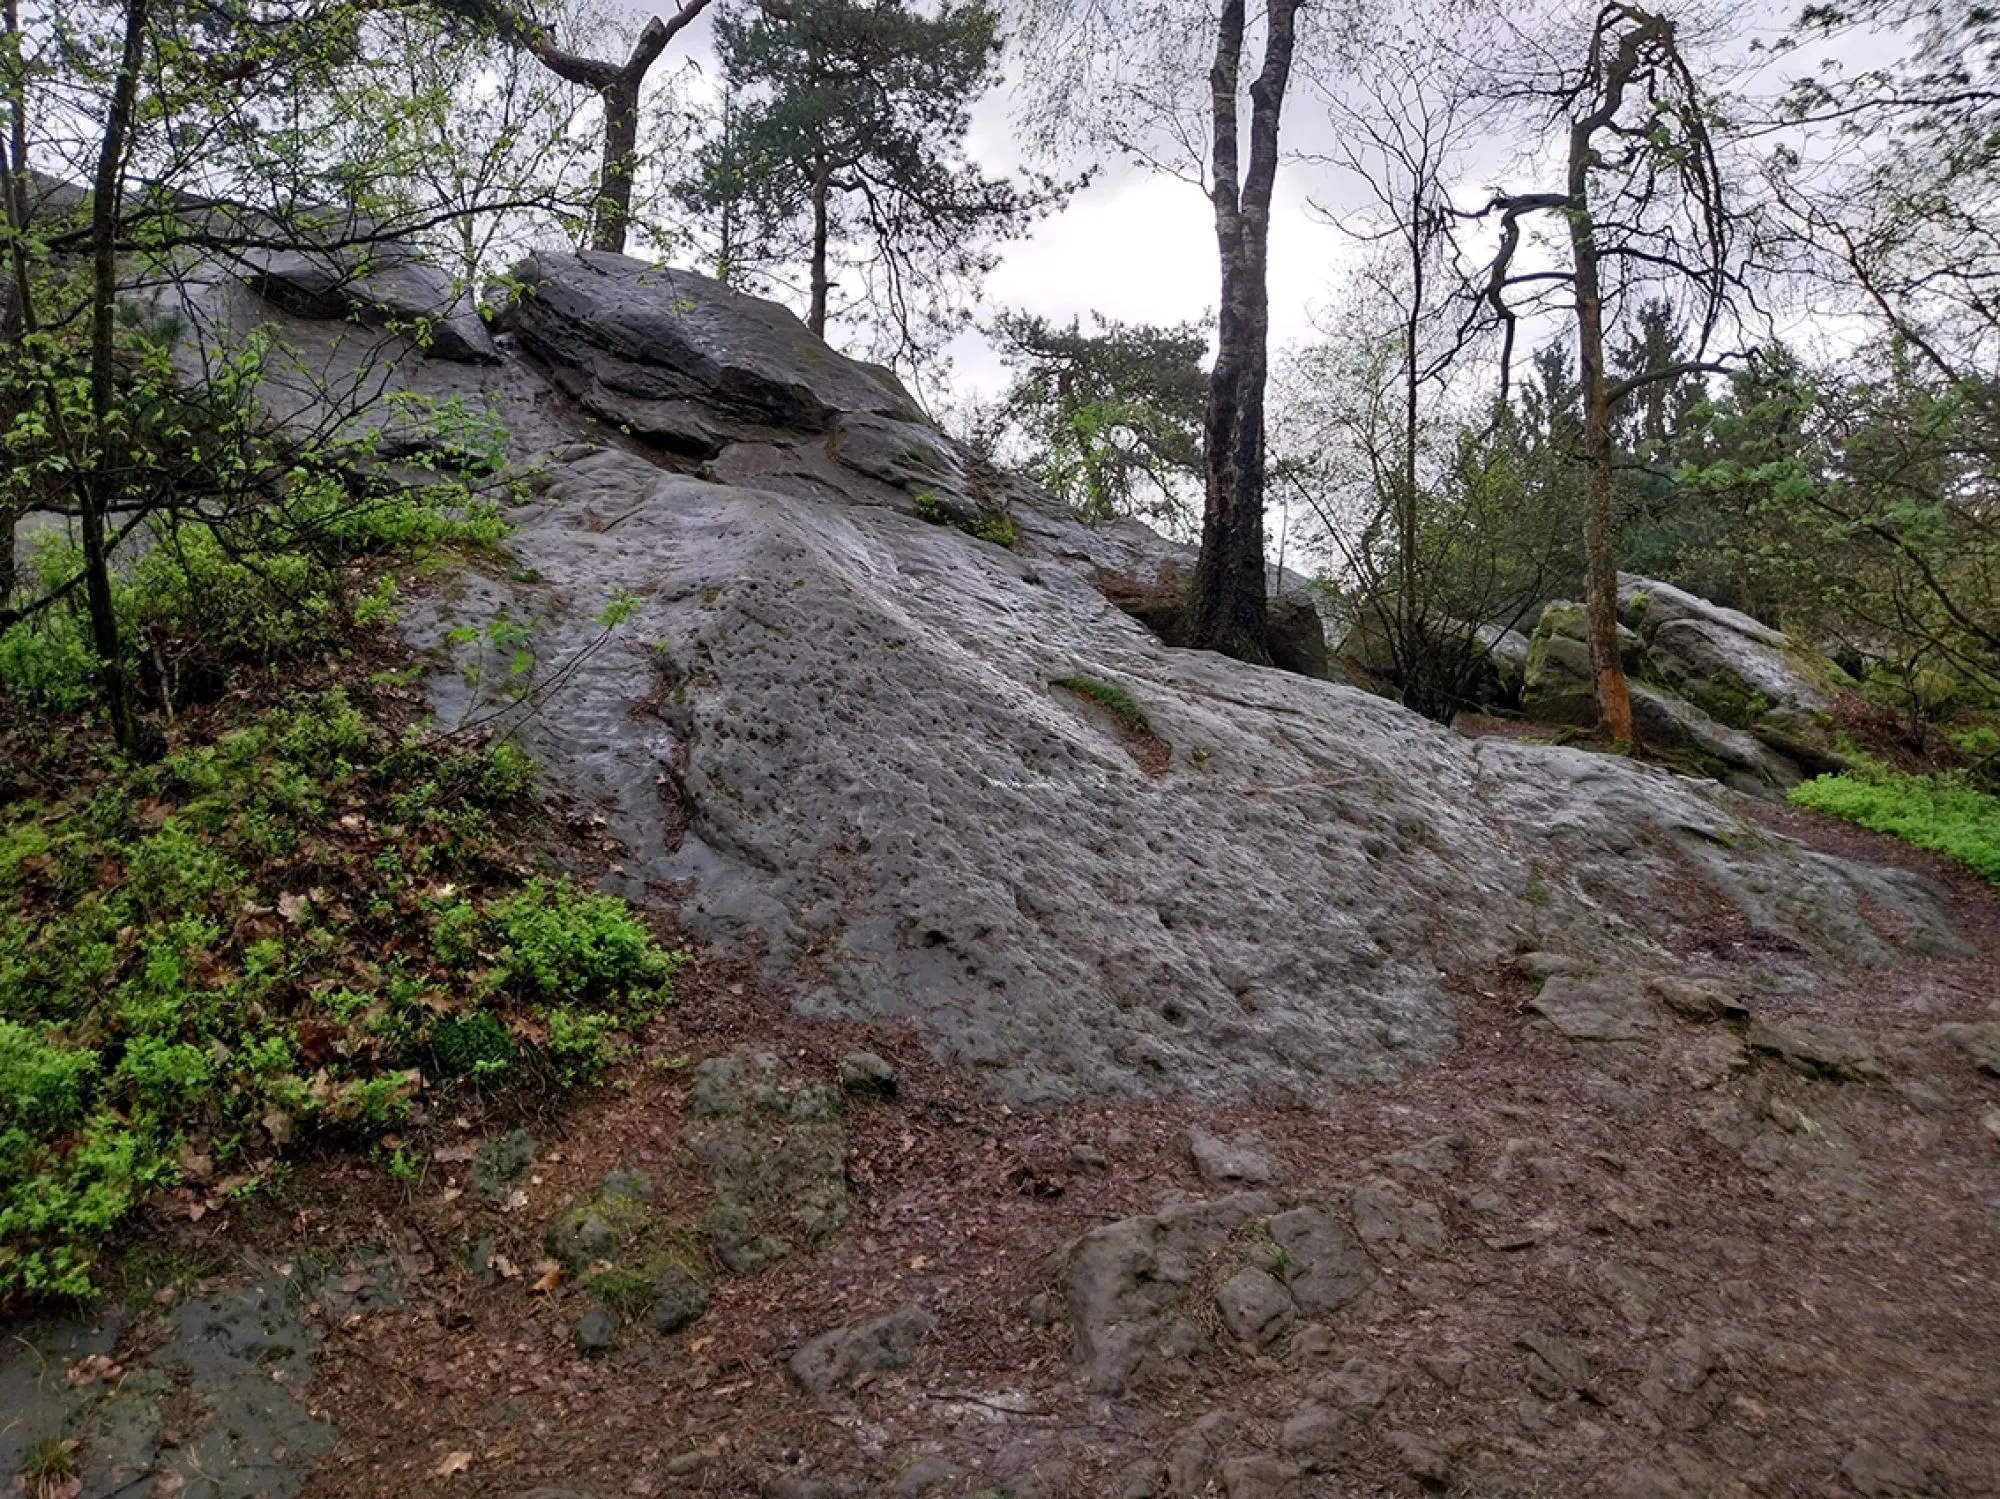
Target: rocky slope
x,y
1411,1114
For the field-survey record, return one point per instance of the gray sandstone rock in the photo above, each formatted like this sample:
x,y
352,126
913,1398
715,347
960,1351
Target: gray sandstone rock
x,y
1980,1041
1255,1308
1126,1288
1606,1009
1241,1162
1818,1049
1326,1268
847,749
1390,1221
595,1333
1556,1368
834,1358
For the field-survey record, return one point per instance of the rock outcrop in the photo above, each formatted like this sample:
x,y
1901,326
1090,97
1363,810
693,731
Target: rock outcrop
x,y
831,727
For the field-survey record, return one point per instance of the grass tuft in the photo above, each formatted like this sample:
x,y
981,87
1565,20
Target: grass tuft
x,y
1111,696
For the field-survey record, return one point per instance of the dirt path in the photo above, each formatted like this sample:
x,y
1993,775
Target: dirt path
x,y
1714,1257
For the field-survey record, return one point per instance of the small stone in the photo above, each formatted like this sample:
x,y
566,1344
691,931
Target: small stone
x,y
834,1358
867,1077
1448,1369
1088,1158
1259,1476
1321,1437
1422,1458
1357,1386
926,1476
1041,1310
1243,1161
1391,1221
595,1333
1925,1098
1255,1308
1442,1155
1326,1267
1313,1341
679,1298
1555,1368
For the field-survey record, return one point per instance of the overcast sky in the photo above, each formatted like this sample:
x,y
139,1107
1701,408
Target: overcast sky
x,y
1140,247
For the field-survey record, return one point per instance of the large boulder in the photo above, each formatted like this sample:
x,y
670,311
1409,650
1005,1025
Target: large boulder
x,y
831,727
1735,668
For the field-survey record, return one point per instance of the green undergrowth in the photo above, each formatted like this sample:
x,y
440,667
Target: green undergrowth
x,y
302,929
1943,812
982,524
1109,695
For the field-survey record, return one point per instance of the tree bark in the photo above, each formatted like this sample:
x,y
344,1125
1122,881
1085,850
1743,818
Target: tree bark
x,y
1226,599
821,190
621,149
98,473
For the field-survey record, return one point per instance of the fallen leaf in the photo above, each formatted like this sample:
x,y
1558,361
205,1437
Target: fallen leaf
x,y
505,1268
456,1462
294,907
548,1276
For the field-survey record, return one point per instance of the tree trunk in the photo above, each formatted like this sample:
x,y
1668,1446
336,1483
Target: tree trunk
x,y
822,187
1226,599
98,473
1600,552
621,149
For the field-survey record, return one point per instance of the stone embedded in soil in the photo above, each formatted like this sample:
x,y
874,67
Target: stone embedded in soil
x,y
1357,1385
1878,1471
1606,1009
835,1358
775,1154
1547,965
1423,1457
1980,1042
604,1224
1698,999
1556,1369
1255,1308
498,1164
596,1332
1709,1058
679,1297
1244,1161
1321,1437
1818,1049
869,1078
1126,1287
1259,1475
1326,1268
1391,1221
1438,1157
926,1477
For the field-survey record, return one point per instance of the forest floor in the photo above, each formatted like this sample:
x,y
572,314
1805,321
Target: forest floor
x,y
1720,1256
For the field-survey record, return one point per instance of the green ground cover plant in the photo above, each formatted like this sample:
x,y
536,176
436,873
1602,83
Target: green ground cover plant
x,y
1945,812
292,931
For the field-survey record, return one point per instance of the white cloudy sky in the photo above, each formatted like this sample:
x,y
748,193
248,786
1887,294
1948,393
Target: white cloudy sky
x,y
1140,247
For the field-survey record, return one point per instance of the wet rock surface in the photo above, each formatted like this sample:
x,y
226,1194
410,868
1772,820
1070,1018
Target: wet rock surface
x,y
1576,1131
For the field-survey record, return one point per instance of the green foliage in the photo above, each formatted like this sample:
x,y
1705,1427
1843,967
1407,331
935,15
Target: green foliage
x,y
1109,695
1109,421
1942,812
863,108
291,929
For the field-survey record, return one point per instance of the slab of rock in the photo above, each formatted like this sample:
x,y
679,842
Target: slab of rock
x,y
1980,1041
1596,1009
1556,1368
1240,1162
1126,1288
938,843
1819,1049
1255,1308
1698,999
1326,1268
835,1358
775,1153
1391,1221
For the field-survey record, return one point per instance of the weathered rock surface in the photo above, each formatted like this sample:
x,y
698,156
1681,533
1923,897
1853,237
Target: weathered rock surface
x,y
830,723
835,1358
